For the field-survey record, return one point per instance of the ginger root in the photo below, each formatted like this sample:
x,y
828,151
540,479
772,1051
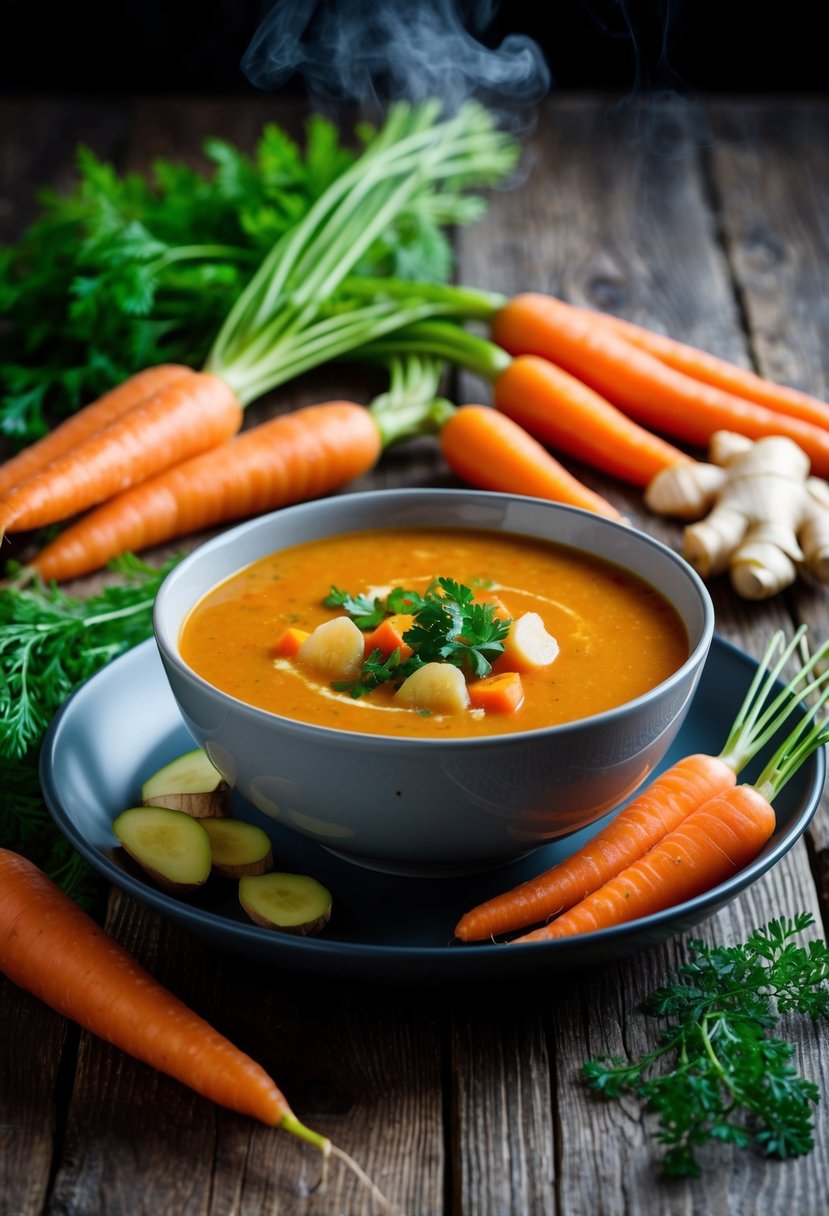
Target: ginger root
x,y
766,517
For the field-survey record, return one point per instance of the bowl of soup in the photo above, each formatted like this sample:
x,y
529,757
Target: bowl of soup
x,y
433,681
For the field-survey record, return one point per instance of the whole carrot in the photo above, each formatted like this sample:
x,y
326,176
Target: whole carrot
x,y
568,415
710,845
186,416
288,459
654,394
720,373
87,421
488,450
657,810
54,950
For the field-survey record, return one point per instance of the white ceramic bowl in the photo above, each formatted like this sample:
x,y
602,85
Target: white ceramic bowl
x,y
424,805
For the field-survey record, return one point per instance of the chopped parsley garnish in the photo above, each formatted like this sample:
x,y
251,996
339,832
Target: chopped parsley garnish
x,y
448,626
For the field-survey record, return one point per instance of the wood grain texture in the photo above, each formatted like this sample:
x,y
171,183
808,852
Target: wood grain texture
x,y
704,220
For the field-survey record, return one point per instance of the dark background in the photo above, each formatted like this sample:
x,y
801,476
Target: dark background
x,y
685,46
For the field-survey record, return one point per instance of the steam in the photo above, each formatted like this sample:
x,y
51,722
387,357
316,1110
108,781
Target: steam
x,y
358,51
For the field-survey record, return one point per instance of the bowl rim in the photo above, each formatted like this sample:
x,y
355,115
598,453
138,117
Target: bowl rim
x,y
168,646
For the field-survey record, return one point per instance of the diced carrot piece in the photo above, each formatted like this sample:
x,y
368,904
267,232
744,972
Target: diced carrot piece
x,y
499,694
388,636
289,642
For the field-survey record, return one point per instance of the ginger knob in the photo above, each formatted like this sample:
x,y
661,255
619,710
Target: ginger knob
x,y
766,517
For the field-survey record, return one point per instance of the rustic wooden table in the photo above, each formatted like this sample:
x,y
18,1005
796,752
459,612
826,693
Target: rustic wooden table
x,y
706,220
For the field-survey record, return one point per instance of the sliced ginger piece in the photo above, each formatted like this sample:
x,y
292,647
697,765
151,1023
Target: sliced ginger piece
x,y
190,783
335,649
439,688
528,645
238,848
766,517
294,903
171,846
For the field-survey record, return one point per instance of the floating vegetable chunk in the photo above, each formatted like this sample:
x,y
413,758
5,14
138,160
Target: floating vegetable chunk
x,y
406,625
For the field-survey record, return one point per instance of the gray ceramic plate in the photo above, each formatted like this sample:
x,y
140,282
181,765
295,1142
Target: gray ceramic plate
x,y
123,724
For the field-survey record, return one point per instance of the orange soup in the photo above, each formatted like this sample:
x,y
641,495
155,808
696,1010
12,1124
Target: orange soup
x,y
612,636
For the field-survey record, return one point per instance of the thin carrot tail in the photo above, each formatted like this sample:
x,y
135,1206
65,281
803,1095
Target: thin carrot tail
x,y
491,451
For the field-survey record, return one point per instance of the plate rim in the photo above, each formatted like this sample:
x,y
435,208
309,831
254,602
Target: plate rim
x,y
287,947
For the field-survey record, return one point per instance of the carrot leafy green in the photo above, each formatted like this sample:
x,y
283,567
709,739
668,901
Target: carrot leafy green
x,y
128,270
448,626
50,642
717,1076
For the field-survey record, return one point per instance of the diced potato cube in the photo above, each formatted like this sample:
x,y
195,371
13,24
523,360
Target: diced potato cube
x,y
438,687
334,649
528,645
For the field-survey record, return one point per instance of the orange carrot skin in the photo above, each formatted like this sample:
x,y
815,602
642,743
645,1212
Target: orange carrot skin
x,y
654,394
185,417
50,947
712,844
720,373
564,413
291,458
648,818
87,421
487,449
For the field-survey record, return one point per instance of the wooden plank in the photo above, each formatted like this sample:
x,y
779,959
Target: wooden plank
x,y
31,1045
770,177
615,214
362,1070
611,1159
505,1146
38,152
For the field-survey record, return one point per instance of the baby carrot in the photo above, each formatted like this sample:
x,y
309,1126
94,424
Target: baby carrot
x,y
564,413
184,417
721,373
87,421
653,813
487,449
288,459
651,392
712,844
50,947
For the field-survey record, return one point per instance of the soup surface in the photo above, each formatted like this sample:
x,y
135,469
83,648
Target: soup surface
x,y
617,636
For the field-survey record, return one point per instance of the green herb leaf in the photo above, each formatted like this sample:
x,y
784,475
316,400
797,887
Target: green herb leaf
x,y
448,626
717,1075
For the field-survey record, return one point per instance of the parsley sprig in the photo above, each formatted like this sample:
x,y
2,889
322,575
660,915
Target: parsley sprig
x,y
448,626
717,1075
50,642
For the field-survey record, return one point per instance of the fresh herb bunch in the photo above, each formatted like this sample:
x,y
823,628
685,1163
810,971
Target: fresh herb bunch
x,y
50,643
717,1075
448,626
126,271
